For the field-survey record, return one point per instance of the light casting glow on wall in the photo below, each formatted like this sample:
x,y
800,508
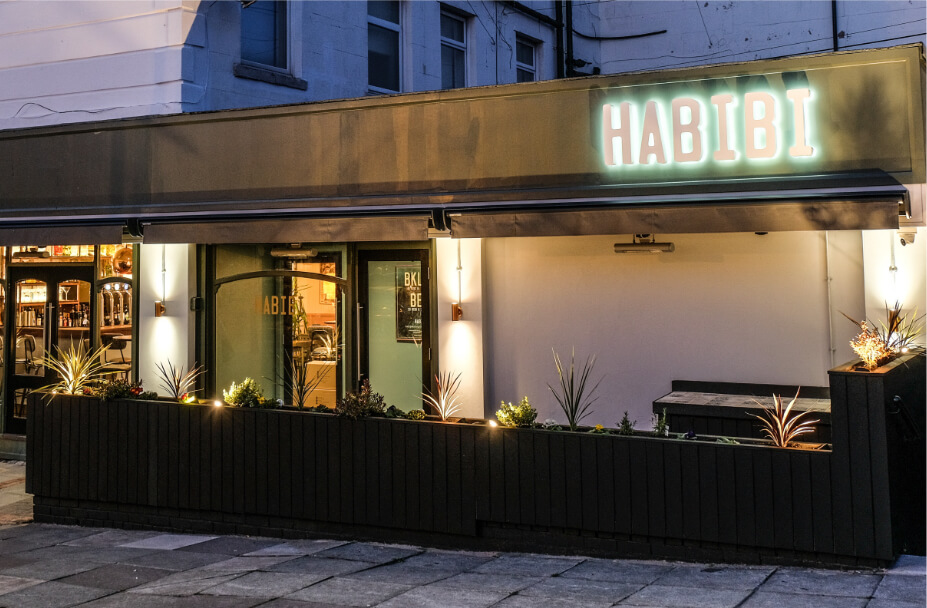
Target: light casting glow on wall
x,y
456,310
628,140
160,309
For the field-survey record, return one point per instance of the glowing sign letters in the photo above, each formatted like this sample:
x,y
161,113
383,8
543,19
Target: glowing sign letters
x,y
627,141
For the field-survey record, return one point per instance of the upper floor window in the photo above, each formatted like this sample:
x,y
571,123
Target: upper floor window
x,y
453,51
525,59
264,33
383,43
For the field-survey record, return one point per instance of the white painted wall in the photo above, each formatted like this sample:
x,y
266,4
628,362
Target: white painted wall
x,y
907,284
169,337
66,62
724,307
460,343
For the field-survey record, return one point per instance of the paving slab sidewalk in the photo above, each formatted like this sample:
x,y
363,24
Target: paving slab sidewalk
x,y
51,566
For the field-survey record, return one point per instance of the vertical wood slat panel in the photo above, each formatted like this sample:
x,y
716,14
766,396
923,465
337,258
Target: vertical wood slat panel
x,y
426,479
285,458
439,477
173,475
621,476
336,438
588,475
691,512
204,476
496,475
413,478
31,441
656,489
765,520
74,462
183,458
877,400
165,451
802,506
673,487
708,493
298,438
605,462
638,486
523,448
241,458
467,480
128,422
821,503
364,465
512,485
310,466
453,475
250,461
726,477
228,459
840,467
194,449
217,416
54,436
141,452
542,485
153,455
482,474
860,465
122,449
782,498
322,430
260,461
399,472
91,414
572,466
558,483
383,474
272,424
83,457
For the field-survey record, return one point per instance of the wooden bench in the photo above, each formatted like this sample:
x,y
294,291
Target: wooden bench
x,y
725,408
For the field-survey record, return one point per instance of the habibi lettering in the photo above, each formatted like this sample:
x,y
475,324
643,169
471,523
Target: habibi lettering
x,y
760,118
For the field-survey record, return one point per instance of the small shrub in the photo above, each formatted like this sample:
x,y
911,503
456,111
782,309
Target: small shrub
x,y
551,425
362,403
727,441
322,409
246,394
626,425
599,430
394,412
416,415
660,426
111,390
520,415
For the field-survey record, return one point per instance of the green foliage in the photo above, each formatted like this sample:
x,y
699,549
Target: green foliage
x,y
660,426
110,390
521,415
416,415
176,382
572,394
321,409
727,441
394,412
599,430
626,425
551,425
247,394
303,382
362,403
76,367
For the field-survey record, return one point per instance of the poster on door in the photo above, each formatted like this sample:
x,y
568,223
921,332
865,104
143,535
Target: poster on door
x,y
409,303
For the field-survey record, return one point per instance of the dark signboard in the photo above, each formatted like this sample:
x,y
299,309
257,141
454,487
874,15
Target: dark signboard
x,y
409,303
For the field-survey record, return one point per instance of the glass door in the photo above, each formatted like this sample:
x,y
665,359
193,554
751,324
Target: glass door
x,y
48,309
393,314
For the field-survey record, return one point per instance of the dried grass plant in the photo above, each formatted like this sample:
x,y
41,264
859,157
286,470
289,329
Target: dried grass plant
x,y
780,426
445,398
177,382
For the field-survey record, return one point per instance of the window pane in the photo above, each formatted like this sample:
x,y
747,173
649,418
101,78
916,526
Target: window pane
x,y
524,53
388,11
452,27
382,57
525,75
452,68
263,33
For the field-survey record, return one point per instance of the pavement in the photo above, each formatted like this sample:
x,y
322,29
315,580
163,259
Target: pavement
x,y
48,566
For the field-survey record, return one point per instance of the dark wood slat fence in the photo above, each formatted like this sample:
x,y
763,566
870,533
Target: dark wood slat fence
x,y
201,468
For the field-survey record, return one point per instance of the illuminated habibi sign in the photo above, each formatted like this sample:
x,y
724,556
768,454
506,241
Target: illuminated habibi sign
x,y
630,137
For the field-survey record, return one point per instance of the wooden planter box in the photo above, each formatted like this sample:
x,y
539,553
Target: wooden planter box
x,y
179,467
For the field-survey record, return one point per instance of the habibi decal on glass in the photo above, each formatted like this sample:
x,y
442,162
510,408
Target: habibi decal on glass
x,y
409,303
721,128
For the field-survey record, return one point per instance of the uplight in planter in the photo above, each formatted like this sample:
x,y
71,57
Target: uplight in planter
x,y
493,423
217,403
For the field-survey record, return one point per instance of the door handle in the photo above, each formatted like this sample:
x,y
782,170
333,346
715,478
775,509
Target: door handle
x,y
47,330
357,342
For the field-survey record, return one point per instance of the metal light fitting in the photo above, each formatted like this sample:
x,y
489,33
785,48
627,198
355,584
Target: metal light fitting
x,y
293,252
644,243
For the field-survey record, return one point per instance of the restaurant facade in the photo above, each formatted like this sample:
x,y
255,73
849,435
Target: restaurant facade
x,y
474,230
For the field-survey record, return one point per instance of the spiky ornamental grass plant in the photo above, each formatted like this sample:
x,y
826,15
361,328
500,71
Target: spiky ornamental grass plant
x,y
444,398
571,394
176,382
76,367
303,381
896,336
779,425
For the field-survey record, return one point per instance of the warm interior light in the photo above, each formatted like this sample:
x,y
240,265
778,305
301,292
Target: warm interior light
x,y
493,423
644,243
456,310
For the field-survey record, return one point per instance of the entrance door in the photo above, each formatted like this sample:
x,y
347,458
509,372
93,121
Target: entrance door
x,y
395,340
47,309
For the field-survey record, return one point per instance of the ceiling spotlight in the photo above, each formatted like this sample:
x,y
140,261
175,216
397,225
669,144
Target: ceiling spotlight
x,y
644,243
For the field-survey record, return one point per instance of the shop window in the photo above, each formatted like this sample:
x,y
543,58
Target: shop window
x,y
31,254
525,59
115,308
453,50
383,47
280,321
264,33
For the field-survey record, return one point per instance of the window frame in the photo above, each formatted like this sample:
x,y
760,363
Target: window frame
x,y
524,67
286,39
460,45
395,27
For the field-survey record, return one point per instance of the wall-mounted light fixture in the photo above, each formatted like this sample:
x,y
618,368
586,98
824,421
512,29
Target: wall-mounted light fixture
x,y
644,243
456,310
160,308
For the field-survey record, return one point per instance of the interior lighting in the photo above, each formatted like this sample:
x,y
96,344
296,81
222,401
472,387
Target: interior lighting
x,y
644,243
160,309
